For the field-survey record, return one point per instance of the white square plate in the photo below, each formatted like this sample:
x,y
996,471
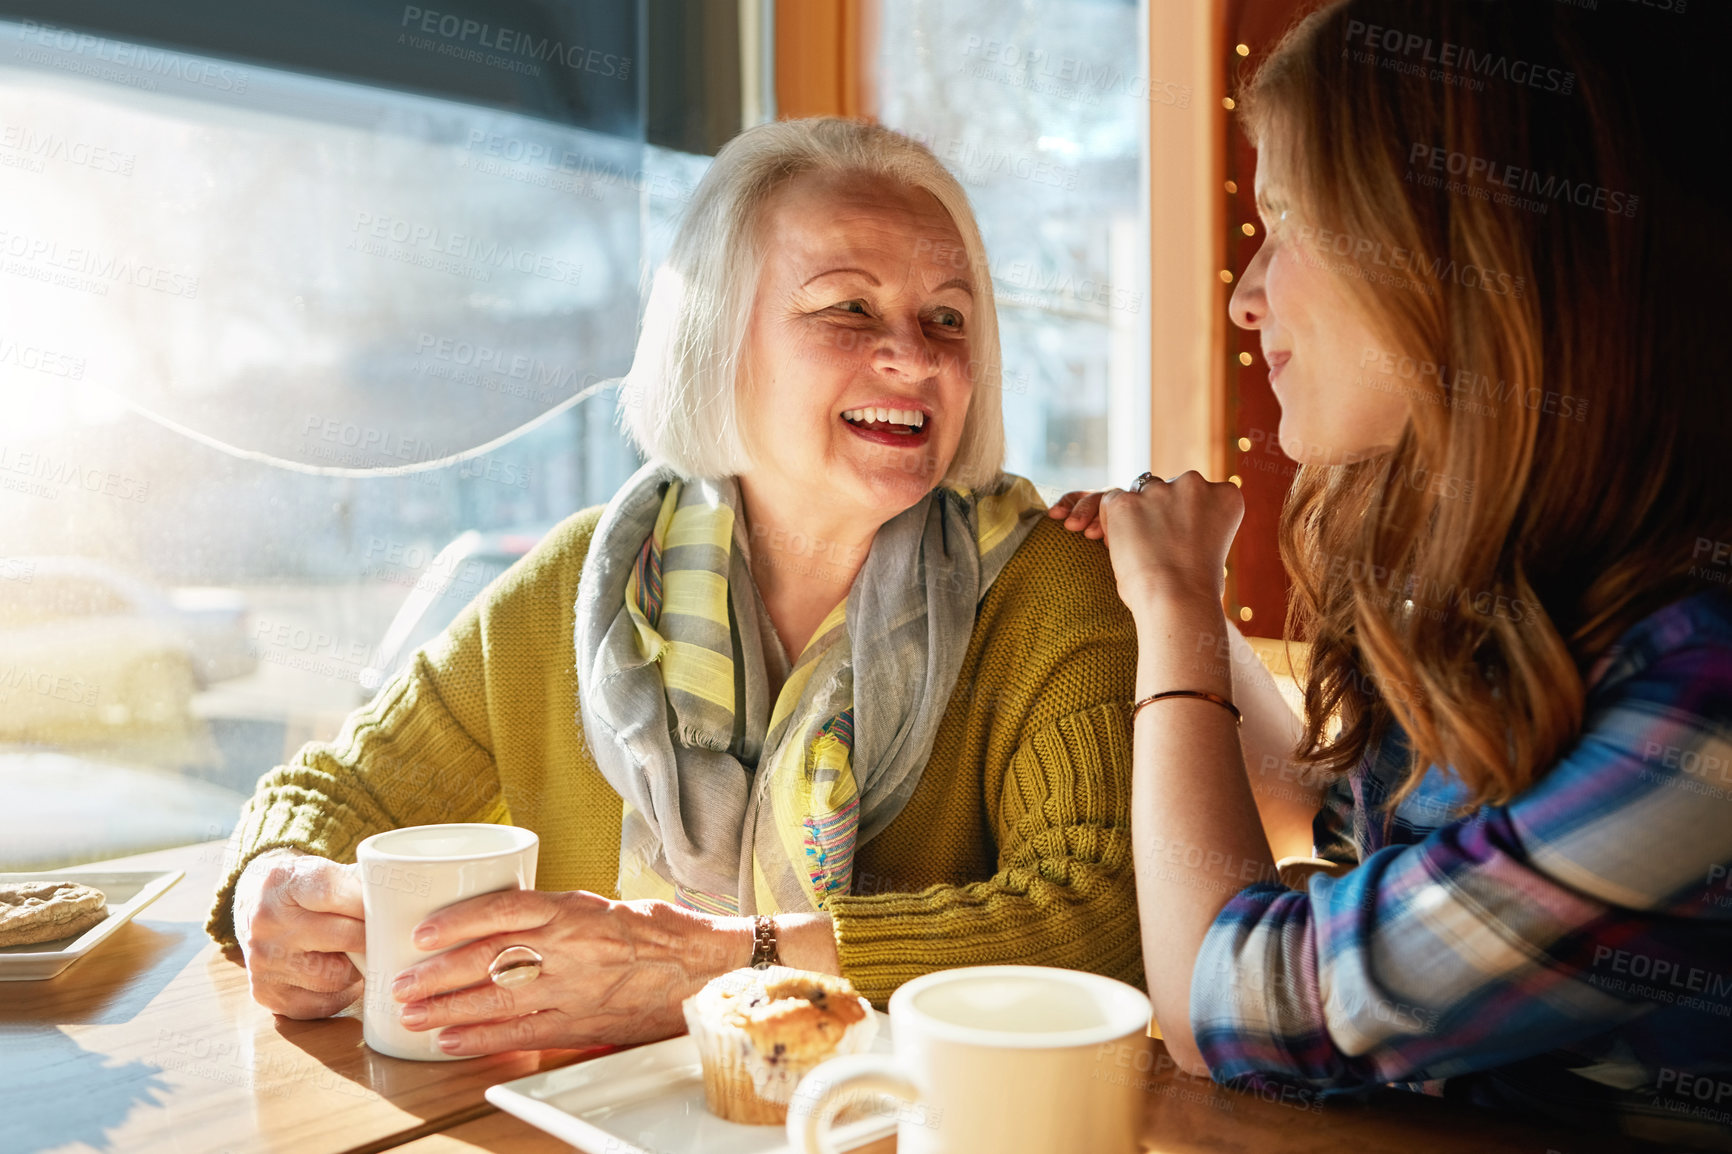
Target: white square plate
x,y
127,891
651,1100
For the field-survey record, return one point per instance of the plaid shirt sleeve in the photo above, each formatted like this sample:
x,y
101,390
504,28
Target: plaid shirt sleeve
x,y
1597,899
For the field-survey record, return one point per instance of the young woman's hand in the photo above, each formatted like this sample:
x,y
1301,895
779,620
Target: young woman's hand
x,y
612,972
1168,540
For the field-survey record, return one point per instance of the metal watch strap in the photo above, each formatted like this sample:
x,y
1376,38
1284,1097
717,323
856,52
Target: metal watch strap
x,y
764,951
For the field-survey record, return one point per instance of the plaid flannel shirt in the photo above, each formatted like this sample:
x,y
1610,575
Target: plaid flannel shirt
x,y
1568,954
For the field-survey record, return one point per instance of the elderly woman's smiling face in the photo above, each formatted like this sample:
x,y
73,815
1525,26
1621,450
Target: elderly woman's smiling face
x,y
857,369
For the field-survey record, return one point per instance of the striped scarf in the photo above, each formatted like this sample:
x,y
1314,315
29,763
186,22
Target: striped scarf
x,y
736,804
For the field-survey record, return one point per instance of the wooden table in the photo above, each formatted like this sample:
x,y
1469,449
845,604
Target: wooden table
x,y
153,1044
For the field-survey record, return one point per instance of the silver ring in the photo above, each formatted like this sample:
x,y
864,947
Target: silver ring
x,y
515,966
1137,485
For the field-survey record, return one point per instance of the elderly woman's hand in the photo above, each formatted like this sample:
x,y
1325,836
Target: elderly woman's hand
x,y
1080,510
295,916
612,972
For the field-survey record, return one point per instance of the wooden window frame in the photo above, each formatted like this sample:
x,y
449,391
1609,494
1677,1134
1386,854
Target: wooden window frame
x,y
825,51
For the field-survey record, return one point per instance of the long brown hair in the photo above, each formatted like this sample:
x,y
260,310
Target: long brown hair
x,y
1510,193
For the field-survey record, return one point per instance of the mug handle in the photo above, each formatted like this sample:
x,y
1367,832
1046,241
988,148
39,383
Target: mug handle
x,y
824,1092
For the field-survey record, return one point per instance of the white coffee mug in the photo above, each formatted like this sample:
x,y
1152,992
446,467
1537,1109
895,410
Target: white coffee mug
x,y
407,874
999,1059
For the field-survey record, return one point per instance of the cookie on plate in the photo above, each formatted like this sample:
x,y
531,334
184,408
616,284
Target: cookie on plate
x,y
33,912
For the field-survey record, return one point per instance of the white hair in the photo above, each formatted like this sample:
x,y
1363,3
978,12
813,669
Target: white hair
x,y
680,402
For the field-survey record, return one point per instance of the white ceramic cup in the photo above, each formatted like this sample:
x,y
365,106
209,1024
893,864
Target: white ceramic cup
x,y
999,1059
407,874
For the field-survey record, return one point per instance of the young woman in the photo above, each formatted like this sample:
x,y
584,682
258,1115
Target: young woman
x,y
1488,298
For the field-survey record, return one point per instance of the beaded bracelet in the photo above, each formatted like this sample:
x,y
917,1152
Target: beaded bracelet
x,y
1238,718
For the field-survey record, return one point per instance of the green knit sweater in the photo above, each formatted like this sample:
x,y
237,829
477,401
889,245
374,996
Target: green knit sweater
x,y
1014,848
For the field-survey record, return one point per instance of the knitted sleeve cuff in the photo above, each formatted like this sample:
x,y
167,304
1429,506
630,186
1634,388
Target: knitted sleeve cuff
x,y
403,760
282,816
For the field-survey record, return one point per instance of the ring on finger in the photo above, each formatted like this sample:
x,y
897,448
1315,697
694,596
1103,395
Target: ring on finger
x,y
1145,478
515,966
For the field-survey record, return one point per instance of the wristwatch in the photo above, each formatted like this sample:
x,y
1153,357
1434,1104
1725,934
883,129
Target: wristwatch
x,y
764,951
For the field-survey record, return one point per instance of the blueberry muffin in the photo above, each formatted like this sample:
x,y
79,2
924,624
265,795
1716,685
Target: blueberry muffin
x,y
760,1031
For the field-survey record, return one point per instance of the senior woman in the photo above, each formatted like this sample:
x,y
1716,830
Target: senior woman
x,y
819,680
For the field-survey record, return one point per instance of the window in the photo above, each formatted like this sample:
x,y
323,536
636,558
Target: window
x,y
207,299
1041,112
269,342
